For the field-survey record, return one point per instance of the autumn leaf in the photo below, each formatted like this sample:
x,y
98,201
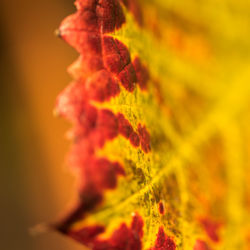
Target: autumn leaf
x,y
160,112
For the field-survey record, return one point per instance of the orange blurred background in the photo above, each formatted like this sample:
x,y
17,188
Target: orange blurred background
x,y
35,185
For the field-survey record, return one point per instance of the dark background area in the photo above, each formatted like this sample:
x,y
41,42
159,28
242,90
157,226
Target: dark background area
x,y
35,184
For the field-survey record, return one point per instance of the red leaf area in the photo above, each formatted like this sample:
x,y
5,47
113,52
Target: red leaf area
x,y
161,207
163,242
201,245
123,238
211,228
103,66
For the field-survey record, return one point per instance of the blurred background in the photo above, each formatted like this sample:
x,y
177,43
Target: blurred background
x,y
35,184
